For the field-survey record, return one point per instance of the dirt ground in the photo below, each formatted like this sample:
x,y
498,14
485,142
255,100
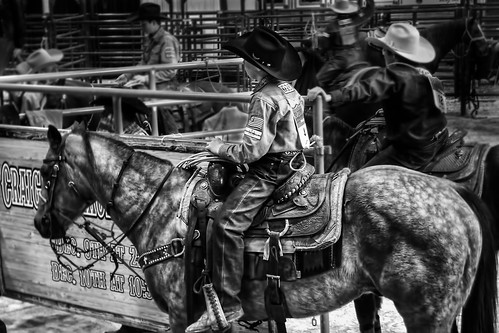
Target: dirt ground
x,y
28,318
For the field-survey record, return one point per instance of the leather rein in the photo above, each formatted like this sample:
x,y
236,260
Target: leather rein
x,y
86,225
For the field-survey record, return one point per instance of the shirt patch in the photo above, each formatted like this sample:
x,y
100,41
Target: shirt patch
x,y
286,87
252,133
256,123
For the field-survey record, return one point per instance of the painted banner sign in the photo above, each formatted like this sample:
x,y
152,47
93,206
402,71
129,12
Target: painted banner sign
x,y
30,266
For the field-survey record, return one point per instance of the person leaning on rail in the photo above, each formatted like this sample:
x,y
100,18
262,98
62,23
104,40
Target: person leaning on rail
x,y
39,61
160,47
413,100
342,40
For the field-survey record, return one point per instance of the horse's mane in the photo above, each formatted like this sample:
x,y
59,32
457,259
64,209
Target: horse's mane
x,y
339,124
336,131
79,129
444,37
438,33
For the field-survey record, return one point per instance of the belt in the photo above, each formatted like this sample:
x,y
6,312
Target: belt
x,y
437,135
285,154
290,152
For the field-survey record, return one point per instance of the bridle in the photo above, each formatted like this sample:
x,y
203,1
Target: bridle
x,y
471,39
99,236
473,98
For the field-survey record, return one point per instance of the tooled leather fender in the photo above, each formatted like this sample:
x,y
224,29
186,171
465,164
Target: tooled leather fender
x,y
313,216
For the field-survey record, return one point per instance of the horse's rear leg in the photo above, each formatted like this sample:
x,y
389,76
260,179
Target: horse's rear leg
x,y
490,185
366,308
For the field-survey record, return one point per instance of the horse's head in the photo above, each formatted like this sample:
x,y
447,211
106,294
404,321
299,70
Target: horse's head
x,y
65,192
486,67
474,39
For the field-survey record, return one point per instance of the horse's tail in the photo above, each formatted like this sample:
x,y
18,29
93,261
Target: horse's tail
x,y
479,312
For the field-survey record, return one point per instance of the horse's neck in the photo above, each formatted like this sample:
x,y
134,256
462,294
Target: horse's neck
x,y
445,36
136,185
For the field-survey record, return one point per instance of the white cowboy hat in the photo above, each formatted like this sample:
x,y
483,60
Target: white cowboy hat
x,y
344,7
38,60
404,40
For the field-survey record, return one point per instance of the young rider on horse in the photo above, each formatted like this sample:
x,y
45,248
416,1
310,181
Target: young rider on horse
x,y
272,146
413,100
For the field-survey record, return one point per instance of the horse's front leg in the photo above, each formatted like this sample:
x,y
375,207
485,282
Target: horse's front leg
x,y
166,285
366,309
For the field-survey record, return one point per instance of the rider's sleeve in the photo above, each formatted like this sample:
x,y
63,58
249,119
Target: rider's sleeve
x,y
374,88
259,133
330,71
170,54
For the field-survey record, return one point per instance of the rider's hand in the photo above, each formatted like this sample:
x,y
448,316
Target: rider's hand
x,y
316,91
316,141
214,145
16,54
143,79
122,79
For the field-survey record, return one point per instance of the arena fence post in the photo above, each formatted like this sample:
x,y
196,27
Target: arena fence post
x,y
154,109
317,115
117,115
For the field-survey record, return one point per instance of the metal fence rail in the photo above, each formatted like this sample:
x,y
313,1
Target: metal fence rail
x,y
14,83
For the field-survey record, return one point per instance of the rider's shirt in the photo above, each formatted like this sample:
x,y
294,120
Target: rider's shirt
x,y
161,48
276,123
413,117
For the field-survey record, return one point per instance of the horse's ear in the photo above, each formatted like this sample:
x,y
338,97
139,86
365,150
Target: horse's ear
x,y
54,137
77,127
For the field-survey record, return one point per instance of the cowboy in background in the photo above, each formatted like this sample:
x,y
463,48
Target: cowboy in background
x,y
345,54
342,40
39,61
413,100
30,103
160,47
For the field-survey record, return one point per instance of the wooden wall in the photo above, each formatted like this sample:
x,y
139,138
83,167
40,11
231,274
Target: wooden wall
x,y
30,269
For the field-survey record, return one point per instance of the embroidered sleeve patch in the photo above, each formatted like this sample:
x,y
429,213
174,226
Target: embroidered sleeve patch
x,y
169,52
257,135
254,128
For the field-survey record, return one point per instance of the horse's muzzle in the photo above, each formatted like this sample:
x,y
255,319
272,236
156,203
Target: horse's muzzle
x,y
48,227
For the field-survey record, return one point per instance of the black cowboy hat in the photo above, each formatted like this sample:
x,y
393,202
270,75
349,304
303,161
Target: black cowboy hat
x,y
147,11
268,51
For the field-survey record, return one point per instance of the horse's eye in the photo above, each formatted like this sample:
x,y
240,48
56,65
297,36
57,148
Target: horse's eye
x,y
44,170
